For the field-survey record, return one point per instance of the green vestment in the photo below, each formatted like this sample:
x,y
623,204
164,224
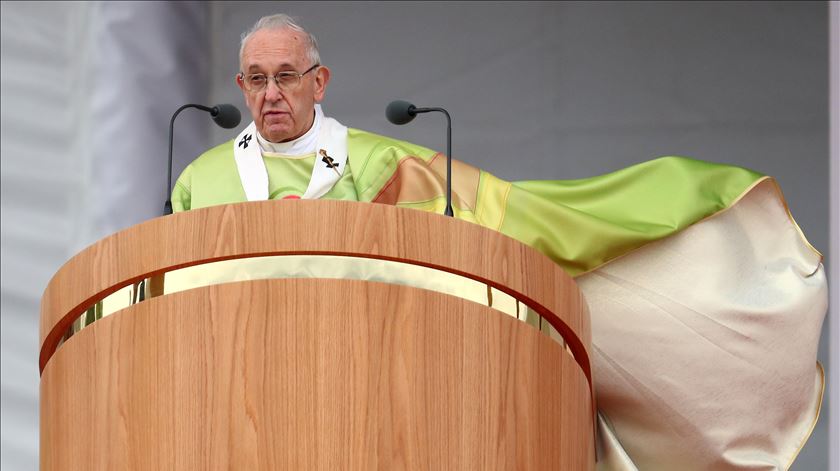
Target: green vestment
x,y
580,224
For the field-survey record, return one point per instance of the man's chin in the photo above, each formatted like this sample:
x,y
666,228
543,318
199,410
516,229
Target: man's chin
x,y
275,134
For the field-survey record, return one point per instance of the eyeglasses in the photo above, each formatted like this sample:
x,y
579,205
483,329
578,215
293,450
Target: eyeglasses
x,y
255,83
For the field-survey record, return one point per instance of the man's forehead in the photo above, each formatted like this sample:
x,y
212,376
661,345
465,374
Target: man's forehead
x,y
276,48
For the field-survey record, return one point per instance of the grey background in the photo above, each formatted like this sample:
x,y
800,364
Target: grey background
x,y
536,91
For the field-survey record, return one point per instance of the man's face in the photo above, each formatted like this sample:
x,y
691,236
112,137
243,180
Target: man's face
x,y
281,115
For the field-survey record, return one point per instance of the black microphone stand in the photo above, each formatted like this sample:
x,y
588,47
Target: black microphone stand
x,y
221,114
413,110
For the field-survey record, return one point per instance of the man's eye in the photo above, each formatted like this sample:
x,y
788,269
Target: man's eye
x,y
287,78
256,79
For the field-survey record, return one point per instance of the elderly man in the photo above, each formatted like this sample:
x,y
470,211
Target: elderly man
x,y
698,263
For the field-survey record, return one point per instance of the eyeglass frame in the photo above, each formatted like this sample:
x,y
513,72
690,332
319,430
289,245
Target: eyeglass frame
x,y
275,77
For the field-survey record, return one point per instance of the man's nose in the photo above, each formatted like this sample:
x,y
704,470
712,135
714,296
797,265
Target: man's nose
x,y
272,90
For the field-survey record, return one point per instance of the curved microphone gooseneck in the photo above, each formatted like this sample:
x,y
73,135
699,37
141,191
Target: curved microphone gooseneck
x,y
403,112
226,116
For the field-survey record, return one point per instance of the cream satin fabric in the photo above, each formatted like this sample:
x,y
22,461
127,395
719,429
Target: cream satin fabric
x,y
705,344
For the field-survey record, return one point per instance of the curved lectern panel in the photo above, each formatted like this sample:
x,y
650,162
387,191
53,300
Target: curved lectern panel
x,y
319,227
313,373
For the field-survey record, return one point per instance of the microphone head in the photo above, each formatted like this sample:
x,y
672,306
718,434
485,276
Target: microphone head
x,y
400,112
226,116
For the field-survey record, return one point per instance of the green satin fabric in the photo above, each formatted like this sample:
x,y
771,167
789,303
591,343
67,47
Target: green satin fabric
x,y
580,224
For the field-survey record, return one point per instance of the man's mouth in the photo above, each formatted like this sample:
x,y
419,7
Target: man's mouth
x,y
273,115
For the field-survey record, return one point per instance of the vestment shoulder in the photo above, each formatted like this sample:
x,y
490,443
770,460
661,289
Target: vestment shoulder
x,y
373,159
222,151
363,144
212,178
214,165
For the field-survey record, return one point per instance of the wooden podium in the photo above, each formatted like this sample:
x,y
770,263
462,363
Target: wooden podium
x,y
312,373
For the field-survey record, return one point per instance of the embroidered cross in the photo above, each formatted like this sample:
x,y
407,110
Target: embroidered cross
x,y
329,161
244,142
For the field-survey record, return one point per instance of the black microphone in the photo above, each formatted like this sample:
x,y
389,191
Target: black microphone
x,y
226,116
403,112
400,112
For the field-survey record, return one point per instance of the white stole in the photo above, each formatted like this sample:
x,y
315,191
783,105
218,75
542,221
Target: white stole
x,y
330,161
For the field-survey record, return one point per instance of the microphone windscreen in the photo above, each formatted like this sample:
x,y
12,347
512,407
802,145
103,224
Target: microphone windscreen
x,y
400,112
226,116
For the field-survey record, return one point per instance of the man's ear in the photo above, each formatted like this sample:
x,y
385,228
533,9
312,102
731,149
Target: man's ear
x,y
240,81
322,78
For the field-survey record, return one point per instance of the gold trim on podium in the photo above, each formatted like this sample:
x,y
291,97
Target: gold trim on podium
x,y
314,266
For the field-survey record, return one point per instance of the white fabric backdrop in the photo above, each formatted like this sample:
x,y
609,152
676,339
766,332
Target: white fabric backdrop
x,y
87,93
43,182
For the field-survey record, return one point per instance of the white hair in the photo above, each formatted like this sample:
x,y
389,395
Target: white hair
x,y
282,21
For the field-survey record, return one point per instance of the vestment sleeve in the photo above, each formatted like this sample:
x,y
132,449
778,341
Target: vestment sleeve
x,y
181,194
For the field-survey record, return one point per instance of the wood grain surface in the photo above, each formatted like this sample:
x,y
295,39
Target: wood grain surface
x,y
317,228
313,374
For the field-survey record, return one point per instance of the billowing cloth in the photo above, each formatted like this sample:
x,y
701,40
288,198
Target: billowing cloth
x,y
706,299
